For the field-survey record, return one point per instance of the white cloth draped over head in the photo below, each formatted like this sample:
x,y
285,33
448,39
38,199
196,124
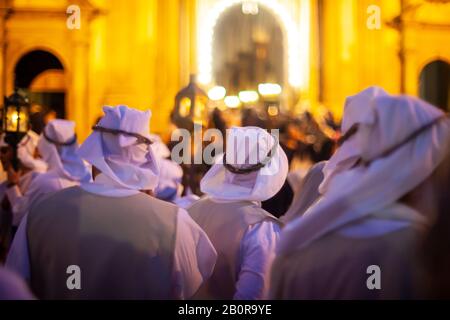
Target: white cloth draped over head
x,y
247,147
169,185
307,194
26,151
171,174
346,156
400,125
159,147
59,148
121,157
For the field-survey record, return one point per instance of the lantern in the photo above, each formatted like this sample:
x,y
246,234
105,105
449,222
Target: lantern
x,y
16,113
15,120
191,106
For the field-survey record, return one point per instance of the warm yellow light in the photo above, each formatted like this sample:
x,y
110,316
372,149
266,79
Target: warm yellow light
x,y
272,111
248,96
199,110
217,93
269,89
297,38
15,121
232,102
185,107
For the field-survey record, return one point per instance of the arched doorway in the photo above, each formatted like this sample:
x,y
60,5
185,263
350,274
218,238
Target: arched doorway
x,y
296,36
248,49
434,84
41,75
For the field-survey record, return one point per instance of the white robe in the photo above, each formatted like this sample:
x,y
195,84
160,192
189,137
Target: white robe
x,y
41,185
338,266
190,267
257,252
16,196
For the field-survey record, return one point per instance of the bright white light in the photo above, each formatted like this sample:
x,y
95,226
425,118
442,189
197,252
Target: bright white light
x,y
297,39
250,7
15,117
248,96
217,93
269,89
232,101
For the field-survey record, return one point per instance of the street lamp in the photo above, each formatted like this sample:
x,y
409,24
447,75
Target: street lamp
x,y
15,121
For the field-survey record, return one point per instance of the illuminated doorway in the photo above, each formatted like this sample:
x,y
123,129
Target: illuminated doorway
x,y
248,49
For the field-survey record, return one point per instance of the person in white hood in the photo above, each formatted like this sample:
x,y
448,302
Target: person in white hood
x,y
58,147
360,240
18,182
169,186
127,244
253,170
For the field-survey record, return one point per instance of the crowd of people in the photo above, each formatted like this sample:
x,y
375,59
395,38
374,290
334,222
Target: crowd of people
x,y
361,213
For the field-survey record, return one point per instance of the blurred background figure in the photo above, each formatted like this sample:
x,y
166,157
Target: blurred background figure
x,y
375,205
17,183
244,234
306,194
59,149
171,174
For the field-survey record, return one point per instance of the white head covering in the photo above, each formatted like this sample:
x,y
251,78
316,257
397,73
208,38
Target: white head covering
x,y
401,140
159,147
58,147
120,157
26,150
346,156
247,147
169,185
307,194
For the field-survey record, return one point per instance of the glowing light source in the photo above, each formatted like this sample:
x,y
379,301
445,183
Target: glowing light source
x,y
269,89
248,96
16,115
250,7
272,111
297,38
185,107
232,102
217,93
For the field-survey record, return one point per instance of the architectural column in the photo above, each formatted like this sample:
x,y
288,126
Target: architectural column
x,y
3,30
188,37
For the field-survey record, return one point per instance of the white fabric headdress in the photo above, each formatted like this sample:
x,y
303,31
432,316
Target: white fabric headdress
x,y
59,148
248,147
26,150
346,156
400,142
124,156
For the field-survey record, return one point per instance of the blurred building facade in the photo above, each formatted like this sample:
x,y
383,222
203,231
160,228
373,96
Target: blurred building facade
x,y
141,52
